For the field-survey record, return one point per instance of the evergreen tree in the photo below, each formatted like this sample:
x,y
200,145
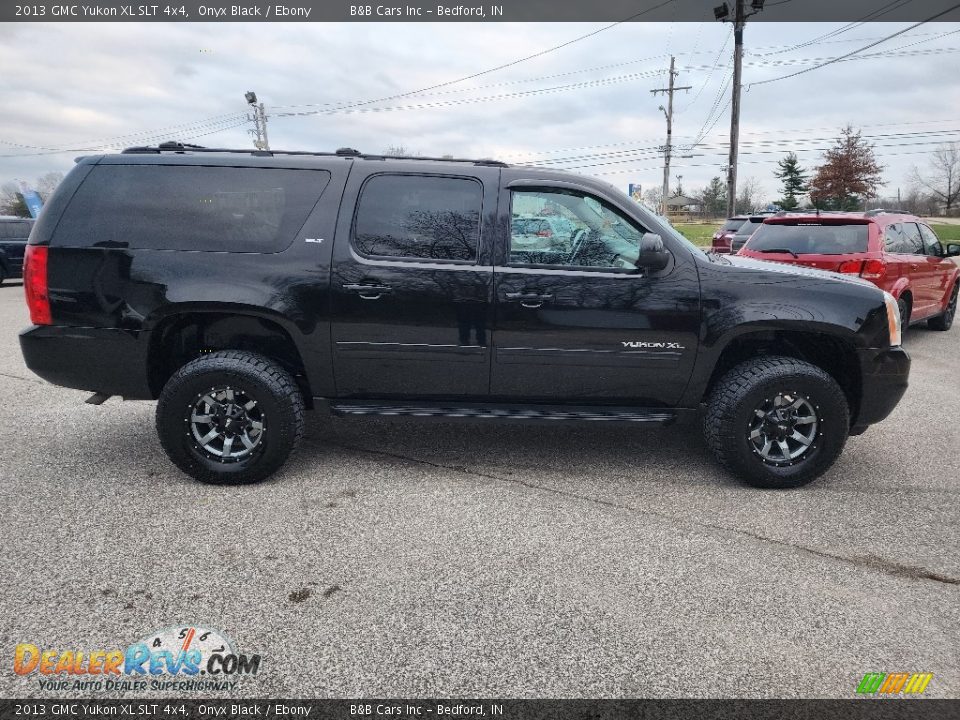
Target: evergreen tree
x,y
714,198
794,180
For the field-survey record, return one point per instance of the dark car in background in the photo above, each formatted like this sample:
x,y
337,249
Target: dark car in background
x,y
723,236
14,232
897,252
746,229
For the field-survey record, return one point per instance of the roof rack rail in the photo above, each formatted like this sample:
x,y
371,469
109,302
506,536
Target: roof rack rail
x,y
178,147
883,211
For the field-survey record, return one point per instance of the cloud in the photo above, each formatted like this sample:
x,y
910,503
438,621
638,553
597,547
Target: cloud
x,y
76,84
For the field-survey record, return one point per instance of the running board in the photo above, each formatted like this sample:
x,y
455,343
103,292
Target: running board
x,y
505,412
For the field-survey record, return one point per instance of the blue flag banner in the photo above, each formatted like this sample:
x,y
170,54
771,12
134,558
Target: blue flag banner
x,y
32,199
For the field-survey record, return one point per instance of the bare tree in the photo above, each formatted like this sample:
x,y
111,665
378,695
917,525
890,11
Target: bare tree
x,y
398,151
652,197
749,196
11,201
47,183
943,180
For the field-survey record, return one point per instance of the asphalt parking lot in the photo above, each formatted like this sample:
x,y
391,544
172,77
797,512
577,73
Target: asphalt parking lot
x,y
394,558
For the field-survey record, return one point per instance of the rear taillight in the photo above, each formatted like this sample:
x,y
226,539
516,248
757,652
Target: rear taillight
x,y
873,269
35,284
851,267
867,269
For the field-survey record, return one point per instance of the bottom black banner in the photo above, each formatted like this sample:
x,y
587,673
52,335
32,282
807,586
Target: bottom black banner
x,y
892,709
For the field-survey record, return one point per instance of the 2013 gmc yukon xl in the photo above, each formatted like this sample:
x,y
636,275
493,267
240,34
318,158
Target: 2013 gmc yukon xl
x,y
240,288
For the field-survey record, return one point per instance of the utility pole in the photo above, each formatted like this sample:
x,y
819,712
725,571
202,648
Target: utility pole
x,y
259,120
740,16
668,148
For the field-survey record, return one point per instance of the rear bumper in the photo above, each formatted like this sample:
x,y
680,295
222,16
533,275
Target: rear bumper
x,y
884,374
107,361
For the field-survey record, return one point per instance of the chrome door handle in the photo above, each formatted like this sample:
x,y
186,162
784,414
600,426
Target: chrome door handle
x,y
369,292
528,296
529,300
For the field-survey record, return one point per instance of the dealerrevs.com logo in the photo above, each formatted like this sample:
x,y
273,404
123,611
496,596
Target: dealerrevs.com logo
x,y
902,683
181,658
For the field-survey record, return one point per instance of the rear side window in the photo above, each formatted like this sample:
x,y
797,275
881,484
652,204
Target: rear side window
x,y
811,238
190,207
893,240
419,217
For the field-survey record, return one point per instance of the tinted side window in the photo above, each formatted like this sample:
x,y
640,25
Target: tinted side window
x,y
911,236
419,217
893,240
931,245
167,207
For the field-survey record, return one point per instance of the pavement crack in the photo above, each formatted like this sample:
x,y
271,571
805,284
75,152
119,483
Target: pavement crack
x,y
18,377
911,572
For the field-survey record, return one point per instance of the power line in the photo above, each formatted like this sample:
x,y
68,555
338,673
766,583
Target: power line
x,y
529,156
504,65
858,50
779,145
879,12
706,82
101,148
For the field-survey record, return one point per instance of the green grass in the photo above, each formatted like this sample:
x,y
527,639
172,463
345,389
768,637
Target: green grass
x,y
701,233
947,233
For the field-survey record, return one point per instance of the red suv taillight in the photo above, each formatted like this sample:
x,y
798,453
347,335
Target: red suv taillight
x,y
867,269
873,269
35,284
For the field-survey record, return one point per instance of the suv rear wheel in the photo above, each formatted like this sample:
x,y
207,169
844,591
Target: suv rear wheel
x,y
945,321
230,417
776,422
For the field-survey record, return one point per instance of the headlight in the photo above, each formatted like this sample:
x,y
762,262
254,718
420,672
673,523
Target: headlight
x,y
893,319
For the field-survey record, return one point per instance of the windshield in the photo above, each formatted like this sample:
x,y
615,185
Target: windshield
x,y
748,227
811,238
731,225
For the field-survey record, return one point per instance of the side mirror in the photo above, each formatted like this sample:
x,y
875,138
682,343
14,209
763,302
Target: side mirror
x,y
651,253
953,250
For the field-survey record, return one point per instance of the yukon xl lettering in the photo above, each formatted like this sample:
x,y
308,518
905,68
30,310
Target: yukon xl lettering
x,y
241,288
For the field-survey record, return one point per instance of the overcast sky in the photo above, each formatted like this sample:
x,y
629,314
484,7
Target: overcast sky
x,y
78,87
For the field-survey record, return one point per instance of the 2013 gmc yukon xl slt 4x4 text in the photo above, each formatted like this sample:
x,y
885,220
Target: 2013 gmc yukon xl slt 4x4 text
x,y
240,288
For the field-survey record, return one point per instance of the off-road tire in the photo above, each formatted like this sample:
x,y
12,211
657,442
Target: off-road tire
x,y
945,322
276,393
731,408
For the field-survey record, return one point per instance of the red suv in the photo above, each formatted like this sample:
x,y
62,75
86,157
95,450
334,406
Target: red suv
x,y
723,236
895,251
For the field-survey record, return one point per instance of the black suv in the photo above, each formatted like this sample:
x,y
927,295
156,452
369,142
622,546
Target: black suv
x,y
14,232
242,287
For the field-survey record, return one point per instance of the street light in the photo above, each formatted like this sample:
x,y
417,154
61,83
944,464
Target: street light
x,y
721,12
251,97
757,5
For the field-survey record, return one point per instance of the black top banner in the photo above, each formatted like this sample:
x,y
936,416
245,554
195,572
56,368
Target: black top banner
x,y
533,11
486,709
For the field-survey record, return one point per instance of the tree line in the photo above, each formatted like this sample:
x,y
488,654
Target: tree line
x,y
848,179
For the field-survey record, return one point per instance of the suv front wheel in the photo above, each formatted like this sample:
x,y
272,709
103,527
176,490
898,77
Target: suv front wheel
x,y
230,417
776,422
